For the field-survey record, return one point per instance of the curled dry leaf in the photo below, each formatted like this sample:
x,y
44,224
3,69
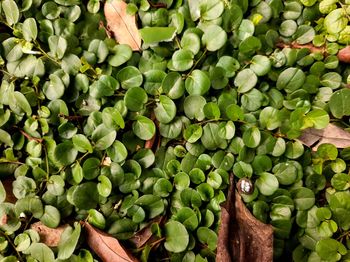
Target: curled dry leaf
x,y
332,134
122,24
241,236
344,54
49,236
7,183
105,246
144,235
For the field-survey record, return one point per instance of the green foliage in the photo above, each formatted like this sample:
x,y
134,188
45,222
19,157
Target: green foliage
x,y
90,130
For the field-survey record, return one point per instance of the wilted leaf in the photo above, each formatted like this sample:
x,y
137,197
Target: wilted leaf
x,y
49,236
236,239
122,24
106,246
331,134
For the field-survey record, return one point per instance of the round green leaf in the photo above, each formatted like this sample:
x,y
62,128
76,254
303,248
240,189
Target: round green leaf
x,y
176,237
144,128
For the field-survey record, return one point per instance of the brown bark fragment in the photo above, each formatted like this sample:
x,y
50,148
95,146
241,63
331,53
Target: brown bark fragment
x,y
242,237
49,236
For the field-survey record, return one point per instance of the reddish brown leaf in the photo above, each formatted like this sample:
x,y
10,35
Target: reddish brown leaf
x,y
7,183
242,237
344,55
331,134
122,24
49,236
144,235
105,246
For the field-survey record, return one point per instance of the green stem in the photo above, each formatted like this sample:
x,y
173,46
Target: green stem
x,y
197,62
12,245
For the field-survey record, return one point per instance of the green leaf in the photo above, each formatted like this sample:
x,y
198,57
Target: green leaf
x,y
338,103
103,137
290,79
267,184
341,181
68,241
85,196
11,11
153,205
176,237
151,35
54,88
210,138
214,43
207,237
100,49
191,42
182,60
58,46
20,102
135,98
335,21
65,153
270,118
260,64
304,198
30,30
197,83
193,107
319,118
330,249
252,137
165,110
5,138
144,128
55,185
130,76
2,193
41,252
193,132
245,80
81,143
122,53
173,85
51,216
96,219
117,152
104,86
104,188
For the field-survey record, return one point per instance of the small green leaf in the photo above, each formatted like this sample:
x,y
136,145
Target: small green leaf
x,y
144,128
68,241
30,30
151,35
176,237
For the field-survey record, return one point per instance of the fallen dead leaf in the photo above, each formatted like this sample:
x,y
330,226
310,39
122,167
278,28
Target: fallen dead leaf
x,y
144,235
122,24
331,134
241,236
344,55
7,183
105,246
49,236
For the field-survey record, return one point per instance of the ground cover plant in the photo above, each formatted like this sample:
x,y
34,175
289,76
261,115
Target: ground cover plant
x,y
121,124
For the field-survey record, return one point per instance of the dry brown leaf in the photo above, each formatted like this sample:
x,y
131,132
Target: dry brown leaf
x,y
105,246
331,134
344,55
144,235
7,183
122,24
49,236
242,237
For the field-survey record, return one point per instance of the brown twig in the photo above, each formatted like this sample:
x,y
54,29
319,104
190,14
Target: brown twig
x,y
311,47
343,54
71,118
157,5
30,138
